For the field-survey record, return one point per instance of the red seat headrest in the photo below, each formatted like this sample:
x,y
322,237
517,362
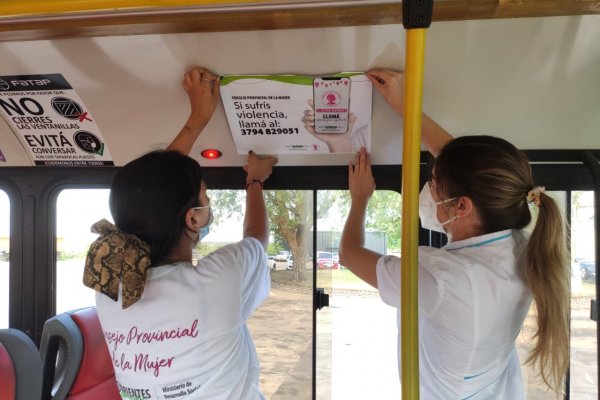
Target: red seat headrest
x,y
7,375
96,373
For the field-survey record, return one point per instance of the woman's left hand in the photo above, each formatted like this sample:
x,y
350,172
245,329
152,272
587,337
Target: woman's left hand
x,y
259,168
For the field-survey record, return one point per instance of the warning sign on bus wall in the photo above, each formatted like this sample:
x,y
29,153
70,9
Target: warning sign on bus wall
x,y
295,114
51,121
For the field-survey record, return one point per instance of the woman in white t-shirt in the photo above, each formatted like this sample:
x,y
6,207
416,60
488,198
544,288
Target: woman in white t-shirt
x,y
475,292
175,330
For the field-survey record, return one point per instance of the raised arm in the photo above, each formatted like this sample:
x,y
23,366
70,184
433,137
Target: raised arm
x,y
353,253
256,223
202,87
391,86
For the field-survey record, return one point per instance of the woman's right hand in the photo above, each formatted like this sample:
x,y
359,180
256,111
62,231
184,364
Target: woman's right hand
x,y
259,168
391,86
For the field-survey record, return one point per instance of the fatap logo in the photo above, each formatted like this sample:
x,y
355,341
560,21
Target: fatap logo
x,y
30,82
4,85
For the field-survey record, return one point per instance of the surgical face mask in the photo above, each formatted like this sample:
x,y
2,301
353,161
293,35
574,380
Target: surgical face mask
x,y
206,228
428,211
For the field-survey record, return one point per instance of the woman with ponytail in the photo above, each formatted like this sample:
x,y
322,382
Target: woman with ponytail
x,y
475,292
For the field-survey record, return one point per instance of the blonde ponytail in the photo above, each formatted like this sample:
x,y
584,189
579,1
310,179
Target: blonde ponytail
x,y
547,275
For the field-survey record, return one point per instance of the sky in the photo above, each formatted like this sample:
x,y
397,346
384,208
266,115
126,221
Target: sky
x,y
4,214
79,209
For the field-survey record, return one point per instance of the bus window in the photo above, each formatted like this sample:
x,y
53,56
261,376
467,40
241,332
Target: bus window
x,y
76,211
583,372
281,327
357,334
4,259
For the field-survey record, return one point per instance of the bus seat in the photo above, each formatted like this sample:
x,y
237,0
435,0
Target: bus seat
x,y
20,366
7,375
76,361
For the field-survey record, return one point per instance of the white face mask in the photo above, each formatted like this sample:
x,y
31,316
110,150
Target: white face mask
x,y
428,211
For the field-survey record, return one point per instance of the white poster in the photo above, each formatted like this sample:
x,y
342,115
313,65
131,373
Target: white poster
x,y
51,121
293,114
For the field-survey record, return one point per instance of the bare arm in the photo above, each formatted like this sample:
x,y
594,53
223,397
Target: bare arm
x,y
256,223
391,86
433,136
353,254
202,88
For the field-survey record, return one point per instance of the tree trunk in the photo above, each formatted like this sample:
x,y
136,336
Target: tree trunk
x,y
299,266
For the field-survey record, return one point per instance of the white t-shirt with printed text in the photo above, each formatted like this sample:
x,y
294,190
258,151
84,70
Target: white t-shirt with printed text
x,y
472,303
186,338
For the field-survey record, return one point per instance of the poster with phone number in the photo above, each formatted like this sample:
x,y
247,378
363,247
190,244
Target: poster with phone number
x,y
295,114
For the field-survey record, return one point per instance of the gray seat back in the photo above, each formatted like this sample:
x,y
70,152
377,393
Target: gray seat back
x,y
26,362
61,350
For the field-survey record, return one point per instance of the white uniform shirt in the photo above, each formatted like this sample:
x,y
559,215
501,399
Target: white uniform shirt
x,y
472,303
186,338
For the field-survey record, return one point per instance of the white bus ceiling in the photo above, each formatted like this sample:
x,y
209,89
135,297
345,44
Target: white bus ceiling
x,y
533,81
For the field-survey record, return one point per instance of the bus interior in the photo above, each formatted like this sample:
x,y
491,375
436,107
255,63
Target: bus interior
x,y
528,72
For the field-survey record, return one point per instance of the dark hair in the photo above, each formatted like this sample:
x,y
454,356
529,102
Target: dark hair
x,y
497,177
150,196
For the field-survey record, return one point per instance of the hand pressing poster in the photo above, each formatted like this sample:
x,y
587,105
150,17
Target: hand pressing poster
x,y
293,114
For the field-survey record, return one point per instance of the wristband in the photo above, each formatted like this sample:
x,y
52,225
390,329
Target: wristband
x,y
252,181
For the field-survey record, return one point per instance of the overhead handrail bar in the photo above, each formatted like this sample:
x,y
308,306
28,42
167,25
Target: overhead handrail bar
x,y
445,10
33,19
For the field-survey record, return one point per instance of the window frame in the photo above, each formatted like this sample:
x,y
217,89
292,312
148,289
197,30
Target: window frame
x,y
33,193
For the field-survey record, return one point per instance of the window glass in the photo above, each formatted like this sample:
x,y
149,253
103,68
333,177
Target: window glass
x,y
281,327
357,334
76,211
584,364
4,258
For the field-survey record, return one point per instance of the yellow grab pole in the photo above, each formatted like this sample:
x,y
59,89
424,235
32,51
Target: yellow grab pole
x,y
411,151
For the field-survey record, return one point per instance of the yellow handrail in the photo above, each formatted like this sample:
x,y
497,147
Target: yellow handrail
x,y
415,57
33,7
